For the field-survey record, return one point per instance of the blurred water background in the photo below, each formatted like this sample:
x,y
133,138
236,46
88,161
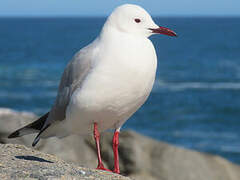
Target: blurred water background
x,y
195,102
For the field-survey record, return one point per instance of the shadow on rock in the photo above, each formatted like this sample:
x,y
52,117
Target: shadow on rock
x,y
33,158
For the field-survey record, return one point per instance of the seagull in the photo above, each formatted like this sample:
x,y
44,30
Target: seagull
x,y
105,83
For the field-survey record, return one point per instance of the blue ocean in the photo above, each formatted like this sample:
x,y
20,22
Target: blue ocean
x,y
195,102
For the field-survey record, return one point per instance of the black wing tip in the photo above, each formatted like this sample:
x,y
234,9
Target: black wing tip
x,y
34,126
35,141
38,136
14,134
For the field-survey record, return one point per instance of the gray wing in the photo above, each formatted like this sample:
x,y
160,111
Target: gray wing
x,y
72,78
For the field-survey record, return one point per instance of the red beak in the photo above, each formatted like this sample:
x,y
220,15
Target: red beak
x,y
163,30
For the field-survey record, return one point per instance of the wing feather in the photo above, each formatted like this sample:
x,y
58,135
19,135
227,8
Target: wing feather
x,y
72,78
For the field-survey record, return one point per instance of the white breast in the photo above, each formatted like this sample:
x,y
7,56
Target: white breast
x,y
119,84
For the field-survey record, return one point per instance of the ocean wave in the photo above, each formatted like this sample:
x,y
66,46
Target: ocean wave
x,y
206,135
180,86
26,95
230,148
209,146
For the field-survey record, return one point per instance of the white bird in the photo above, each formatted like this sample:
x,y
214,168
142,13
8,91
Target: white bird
x,y
106,82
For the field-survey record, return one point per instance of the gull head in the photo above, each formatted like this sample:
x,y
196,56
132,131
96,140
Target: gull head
x,y
133,19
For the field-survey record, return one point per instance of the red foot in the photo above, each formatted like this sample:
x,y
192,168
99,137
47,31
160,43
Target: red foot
x,y
97,138
115,150
115,143
117,171
101,167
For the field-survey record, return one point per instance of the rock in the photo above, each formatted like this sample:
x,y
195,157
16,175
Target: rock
x,y
140,157
19,162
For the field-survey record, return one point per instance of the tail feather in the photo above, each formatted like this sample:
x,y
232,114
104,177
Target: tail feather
x,y
34,127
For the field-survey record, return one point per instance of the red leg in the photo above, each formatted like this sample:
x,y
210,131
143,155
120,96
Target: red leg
x,y
115,151
97,137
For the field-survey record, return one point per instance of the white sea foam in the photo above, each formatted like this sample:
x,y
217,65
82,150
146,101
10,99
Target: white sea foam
x,y
230,148
205,135
180,86
26,95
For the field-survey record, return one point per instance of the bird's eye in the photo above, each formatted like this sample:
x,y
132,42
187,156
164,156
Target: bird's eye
x,y
137,20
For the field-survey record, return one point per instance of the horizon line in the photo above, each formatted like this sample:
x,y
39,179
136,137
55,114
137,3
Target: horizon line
x,y
104,16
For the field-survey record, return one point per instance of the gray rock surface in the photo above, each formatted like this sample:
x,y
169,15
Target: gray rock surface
x,y
18,162
140,157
